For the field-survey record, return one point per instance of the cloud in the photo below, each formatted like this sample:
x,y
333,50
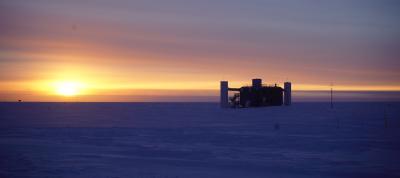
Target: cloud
x,y
308,42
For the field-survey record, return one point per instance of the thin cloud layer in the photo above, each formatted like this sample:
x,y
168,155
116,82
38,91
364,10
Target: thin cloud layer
x,y
139,44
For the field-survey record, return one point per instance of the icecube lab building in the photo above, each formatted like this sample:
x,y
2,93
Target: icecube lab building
x,y
256,95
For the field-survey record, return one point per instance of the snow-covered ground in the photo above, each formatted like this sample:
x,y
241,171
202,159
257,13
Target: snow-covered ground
x,y
170,140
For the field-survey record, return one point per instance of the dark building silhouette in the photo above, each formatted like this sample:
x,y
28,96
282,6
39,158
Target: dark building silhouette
x,y
256,95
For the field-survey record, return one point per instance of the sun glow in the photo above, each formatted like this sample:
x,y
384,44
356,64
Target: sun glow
x,y
68,88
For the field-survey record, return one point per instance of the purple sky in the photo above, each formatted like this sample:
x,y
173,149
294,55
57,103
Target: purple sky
x,y
127,45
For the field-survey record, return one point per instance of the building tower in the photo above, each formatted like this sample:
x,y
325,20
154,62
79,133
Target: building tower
x,y
287,93
257,83
224,94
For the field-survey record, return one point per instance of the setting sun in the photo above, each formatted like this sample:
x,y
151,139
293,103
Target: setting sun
x,y
67,88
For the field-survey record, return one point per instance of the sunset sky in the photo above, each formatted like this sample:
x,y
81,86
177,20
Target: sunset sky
x,y
104,50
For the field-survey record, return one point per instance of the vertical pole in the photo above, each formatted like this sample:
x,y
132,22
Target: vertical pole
x,y
224,94
333,111
331,95
287,91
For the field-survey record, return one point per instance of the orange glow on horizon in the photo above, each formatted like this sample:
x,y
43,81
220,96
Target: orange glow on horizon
x,y
68,88
90,87
96,90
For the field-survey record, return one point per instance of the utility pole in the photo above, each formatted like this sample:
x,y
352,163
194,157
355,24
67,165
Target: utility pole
x,y
331,95
333,111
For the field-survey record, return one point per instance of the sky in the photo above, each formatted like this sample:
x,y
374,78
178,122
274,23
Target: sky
x,y
104,50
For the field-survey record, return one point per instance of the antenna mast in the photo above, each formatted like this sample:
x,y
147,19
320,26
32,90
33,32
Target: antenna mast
x,y
331,95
